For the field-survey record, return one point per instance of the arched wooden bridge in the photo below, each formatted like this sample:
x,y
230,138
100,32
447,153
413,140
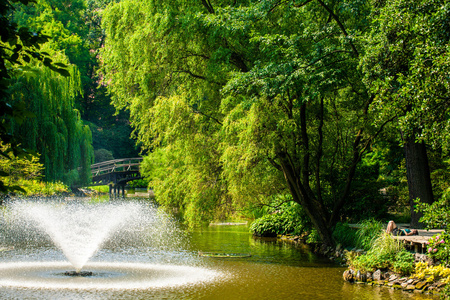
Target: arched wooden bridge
x,y
116,173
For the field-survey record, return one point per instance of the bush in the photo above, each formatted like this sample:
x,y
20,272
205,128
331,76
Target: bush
x,y
344,235
386,253
438,247
268,225
288,218
313,237
403,262
102,155
432,273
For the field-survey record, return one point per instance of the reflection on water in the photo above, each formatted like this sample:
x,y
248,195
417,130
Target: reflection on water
x,y
275,270
279,270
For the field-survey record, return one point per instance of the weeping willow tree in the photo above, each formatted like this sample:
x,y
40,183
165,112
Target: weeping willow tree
x,y
54,129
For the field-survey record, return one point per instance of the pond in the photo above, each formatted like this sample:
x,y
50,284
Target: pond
x,y
149,257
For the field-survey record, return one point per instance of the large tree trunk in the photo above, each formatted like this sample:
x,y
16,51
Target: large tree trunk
x,y
418,174
301,194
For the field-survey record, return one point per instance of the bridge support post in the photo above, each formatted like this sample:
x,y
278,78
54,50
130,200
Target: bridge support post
x,y
123,190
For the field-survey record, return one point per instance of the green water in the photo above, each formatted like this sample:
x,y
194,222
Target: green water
x,y
275,270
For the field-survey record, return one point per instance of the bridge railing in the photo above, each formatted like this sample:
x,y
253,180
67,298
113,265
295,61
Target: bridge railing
x,y
116,165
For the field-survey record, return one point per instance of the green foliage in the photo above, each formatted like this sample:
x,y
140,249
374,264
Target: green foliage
x,y
403,262
18,167
19,46
102,155
101,188
406,63
23,175
140,183
344,235
438,247
313,237
437,214
386,253
56,131
367,233
240,101
287,218
268,225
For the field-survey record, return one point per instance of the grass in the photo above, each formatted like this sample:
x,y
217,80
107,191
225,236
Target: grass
x,y
101,188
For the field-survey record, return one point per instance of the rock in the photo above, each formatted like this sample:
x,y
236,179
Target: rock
x,y
392,277
348,275
418,257
360,276
409,281
369,277
377,275
410,287
421,285
404,285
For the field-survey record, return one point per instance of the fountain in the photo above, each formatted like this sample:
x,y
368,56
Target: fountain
x,y
120,245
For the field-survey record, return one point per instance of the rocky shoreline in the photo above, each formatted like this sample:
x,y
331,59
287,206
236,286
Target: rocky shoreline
x,y
384,278
395,281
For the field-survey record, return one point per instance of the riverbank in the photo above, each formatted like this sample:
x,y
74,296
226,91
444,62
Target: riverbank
x,y
397,281
426,277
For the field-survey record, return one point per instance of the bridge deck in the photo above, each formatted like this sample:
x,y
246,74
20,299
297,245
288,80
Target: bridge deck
x,y
116,173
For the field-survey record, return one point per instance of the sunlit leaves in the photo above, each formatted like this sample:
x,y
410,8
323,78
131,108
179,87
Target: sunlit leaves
x,y
407,66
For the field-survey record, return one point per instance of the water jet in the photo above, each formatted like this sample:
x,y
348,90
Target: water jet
x,y
105,246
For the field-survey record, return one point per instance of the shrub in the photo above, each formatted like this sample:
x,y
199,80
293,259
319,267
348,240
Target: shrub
x,y
403,262
344,235
268,225
432,273
288,218
386,253
313,237
438,247
102,155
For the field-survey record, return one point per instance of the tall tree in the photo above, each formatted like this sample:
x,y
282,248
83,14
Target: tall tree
x,y
56,130
406,66
19,45
275,81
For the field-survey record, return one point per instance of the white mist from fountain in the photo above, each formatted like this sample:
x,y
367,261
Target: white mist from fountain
x,y
78,230
127,245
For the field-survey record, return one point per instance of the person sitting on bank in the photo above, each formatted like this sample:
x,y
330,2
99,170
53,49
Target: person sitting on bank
x,y
394,230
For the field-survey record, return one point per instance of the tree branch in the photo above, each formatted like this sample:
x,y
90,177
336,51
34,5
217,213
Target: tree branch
x,y
208,6
190,73
335,17
203,114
